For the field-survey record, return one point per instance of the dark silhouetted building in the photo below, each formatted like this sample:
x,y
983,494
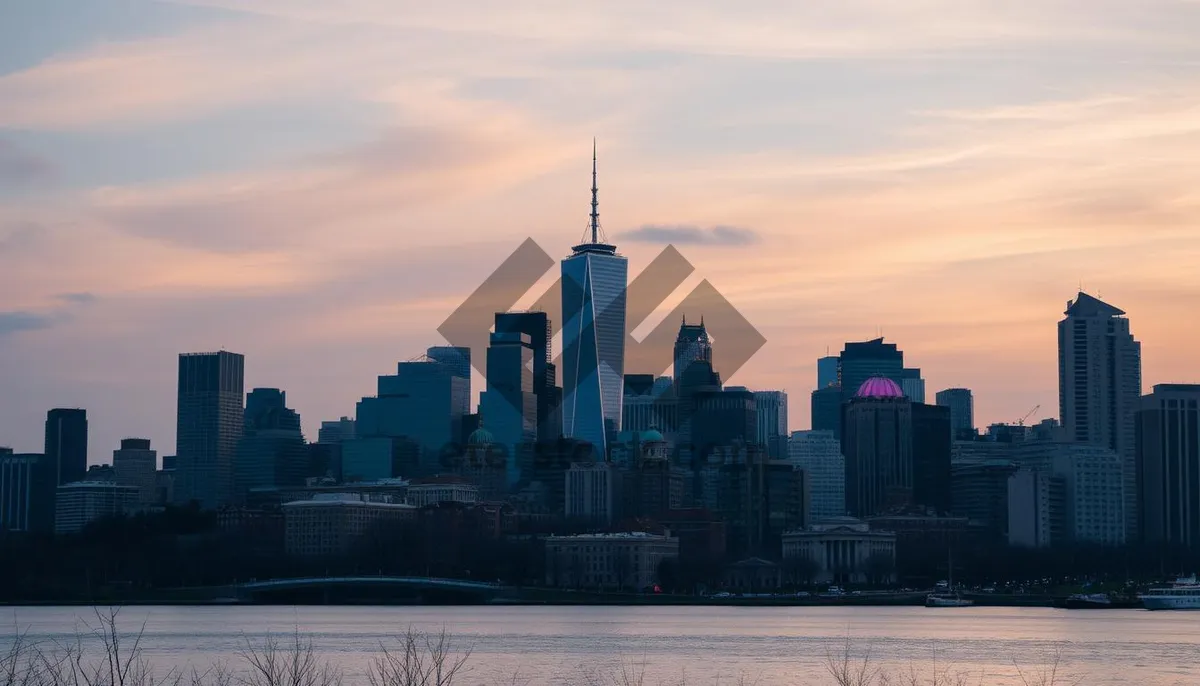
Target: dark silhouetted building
x,y
772,411
27,488
209,423
536,325
913,385
866,360
692,344
721,418
653,485
272,451
962,412
877,443
135,464
827,410
424,402
509,405
827,372
979,492
1168,462
931,456
456,358
1100,385
67,443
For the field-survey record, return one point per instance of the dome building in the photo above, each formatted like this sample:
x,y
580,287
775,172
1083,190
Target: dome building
x,y
878,447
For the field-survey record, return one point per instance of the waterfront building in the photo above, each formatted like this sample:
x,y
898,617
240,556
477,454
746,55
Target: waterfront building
x,y
979,491
1168,465
1036,508
841,550
441,490
209,423
80,503
617,561
1091,480
331,524
594,282
1100,386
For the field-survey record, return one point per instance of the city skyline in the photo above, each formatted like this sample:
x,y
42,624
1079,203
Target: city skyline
x,y
835,177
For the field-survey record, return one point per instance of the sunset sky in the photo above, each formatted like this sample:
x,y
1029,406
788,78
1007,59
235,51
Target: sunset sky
x,y
318,184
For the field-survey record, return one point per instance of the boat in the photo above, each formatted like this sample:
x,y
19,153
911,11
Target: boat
x,y
1084,601
947,600
1184,594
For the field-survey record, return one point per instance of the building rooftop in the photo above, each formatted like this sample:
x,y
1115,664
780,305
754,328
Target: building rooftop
x,y
625,535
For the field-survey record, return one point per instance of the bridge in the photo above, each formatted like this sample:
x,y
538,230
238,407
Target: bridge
x,y
341,586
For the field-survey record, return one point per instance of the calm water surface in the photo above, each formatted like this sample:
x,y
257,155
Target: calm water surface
x,y
563,645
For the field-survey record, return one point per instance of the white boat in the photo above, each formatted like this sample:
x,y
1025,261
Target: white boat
x,y
1184,594
947,600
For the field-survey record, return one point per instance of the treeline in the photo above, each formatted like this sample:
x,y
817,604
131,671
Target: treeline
x,y
183,547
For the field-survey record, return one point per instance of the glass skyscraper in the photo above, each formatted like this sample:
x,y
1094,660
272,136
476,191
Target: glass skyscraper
x,y
594,280
209,424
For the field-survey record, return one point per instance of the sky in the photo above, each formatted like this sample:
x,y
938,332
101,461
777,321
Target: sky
x,y
318,185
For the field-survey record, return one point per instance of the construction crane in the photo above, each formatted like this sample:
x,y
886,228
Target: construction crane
x,y
1021,421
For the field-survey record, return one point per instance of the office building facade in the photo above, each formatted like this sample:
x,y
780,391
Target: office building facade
x,y
962,411
135,464
209,424
819,454
594,280
877,444
772,416
1100,385
80,503
1168,465
536,325
424,402
66,444
509,405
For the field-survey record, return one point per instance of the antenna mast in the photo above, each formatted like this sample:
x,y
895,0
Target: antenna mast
x,y
595,198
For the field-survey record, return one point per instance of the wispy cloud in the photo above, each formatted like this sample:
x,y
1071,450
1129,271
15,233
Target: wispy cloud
x,y
18,321
82,298
18,166
683,234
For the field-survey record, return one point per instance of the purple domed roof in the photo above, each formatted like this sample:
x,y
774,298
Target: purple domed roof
x,y
879,387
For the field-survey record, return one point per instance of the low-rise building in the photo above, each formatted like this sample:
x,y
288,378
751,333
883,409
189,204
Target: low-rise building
x,y
330,524
82,502
628,561
441,490
841,550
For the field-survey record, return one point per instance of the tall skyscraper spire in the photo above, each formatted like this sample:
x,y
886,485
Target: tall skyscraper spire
x,y
595,198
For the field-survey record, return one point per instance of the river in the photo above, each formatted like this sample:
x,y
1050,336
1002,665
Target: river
x,y
703,645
